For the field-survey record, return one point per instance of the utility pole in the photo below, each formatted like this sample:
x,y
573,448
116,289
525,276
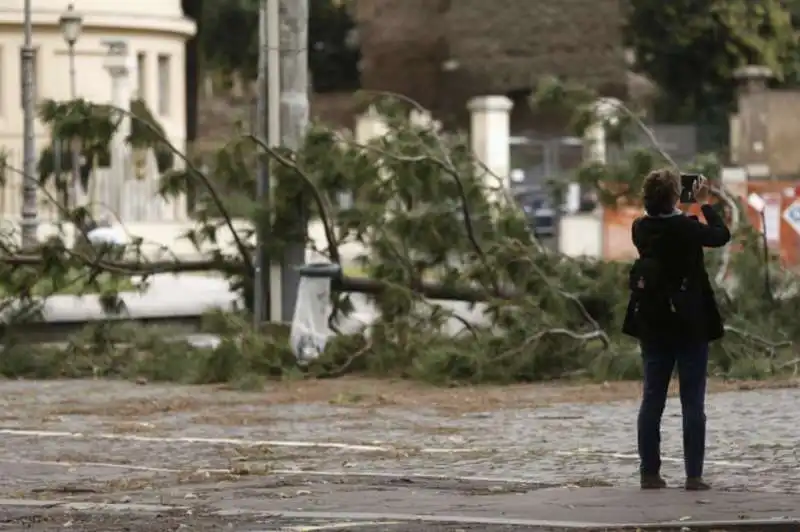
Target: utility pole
x,y
267,286
29,223
274,278
260,295
294,120
71,24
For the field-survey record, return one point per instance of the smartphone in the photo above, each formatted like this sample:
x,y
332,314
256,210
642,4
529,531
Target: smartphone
x,y
687,187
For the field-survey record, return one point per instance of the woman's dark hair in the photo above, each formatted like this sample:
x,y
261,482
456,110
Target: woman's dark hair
x,y
660,191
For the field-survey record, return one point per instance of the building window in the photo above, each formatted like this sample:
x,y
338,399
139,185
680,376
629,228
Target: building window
x,y
164,85
141,76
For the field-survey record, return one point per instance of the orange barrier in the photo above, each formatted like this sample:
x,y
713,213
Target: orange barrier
x,y
779,196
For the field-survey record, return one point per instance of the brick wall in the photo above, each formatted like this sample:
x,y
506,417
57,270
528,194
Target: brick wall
x,y
221,117
499,46
402,46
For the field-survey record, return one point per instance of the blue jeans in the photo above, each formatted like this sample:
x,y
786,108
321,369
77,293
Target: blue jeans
x,y
659,363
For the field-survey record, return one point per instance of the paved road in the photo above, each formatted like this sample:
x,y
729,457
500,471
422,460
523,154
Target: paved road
x,y
297,502
115,442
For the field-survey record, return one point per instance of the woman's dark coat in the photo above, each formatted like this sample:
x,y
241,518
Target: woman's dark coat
x,y
676,243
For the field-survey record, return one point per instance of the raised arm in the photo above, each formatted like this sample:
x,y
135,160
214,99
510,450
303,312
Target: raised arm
x,y
714,233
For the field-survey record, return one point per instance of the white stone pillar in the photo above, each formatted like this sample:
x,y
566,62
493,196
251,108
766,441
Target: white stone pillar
x,y
594,143
582,234
594,151
369,126
490,134
118,67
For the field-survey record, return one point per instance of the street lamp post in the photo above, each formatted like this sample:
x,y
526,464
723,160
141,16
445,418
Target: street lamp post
x,y
71,23
29,185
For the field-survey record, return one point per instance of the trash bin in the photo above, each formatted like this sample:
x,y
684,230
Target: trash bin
x,y
309,331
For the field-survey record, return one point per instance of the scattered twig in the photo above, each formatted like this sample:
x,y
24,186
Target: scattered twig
x,y
758,339
342,369
532,341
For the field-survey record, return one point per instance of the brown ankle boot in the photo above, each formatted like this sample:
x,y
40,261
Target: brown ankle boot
x,y
652,482
697,484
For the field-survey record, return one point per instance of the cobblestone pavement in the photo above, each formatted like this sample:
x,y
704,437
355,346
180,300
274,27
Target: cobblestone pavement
x,y
752,436
118,442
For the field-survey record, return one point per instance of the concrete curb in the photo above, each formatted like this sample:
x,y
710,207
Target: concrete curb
x,y
787,523
763,524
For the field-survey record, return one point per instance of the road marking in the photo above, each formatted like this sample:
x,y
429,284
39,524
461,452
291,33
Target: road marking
x,y
126,467
319,445
622,456
231,441
278,472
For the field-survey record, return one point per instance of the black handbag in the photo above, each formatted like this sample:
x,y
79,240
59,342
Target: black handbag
x,y
662,302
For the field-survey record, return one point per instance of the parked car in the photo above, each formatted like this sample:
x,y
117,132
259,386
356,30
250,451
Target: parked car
x,y
539,209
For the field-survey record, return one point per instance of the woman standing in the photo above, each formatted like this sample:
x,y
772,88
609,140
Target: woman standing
x,y
673,313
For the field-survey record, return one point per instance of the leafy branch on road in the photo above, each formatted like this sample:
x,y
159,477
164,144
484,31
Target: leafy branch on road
x,y
418,208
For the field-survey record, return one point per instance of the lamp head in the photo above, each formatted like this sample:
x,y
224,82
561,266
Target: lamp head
x,y
71,23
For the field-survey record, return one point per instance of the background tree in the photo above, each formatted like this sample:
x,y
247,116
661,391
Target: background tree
x,y
229,41
691,48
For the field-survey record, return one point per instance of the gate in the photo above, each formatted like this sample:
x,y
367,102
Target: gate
x,y
536,162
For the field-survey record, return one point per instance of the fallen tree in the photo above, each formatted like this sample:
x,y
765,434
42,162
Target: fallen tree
x,y
425,211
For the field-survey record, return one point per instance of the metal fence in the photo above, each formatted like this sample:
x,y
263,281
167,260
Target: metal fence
x,y
132,197
680,141
537,161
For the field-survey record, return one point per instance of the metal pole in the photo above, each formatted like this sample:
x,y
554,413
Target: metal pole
x,y
294,124
274,135
74,148
765,248
57,147
260,296
29,187
73,91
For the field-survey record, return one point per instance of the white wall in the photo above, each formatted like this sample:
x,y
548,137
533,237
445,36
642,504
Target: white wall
x,y
152,27
162,241
581,235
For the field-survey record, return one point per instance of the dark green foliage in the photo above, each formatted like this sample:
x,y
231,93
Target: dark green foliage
x,y
691,48
333,60
93,126
130,352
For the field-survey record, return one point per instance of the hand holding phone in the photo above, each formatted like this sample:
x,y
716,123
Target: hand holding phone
x,y
689,184
701,190
694,188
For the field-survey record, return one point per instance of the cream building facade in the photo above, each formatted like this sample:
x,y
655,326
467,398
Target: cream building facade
x,y
154,33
